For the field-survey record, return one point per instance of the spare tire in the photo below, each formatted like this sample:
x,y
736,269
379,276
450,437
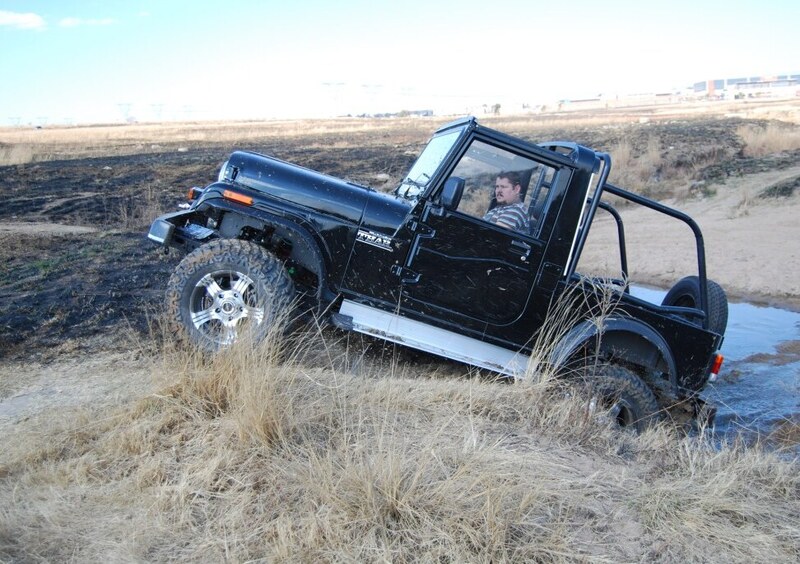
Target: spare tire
x,y
686,293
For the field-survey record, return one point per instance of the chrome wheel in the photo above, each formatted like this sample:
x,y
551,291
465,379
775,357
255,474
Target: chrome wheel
x,y
221,302
226,289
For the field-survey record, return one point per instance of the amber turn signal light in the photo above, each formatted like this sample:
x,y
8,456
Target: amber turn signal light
x,y
237,197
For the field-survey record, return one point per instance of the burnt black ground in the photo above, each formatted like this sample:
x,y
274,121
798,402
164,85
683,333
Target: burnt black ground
x,y
58,291
52,295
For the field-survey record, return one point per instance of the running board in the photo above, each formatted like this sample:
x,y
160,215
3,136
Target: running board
x,y
418,335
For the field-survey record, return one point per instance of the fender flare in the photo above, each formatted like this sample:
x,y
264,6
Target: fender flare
x,y
259,219
630,339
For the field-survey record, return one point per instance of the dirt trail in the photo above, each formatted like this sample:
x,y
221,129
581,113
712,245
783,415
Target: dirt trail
x,y
43,228
28,389
752,241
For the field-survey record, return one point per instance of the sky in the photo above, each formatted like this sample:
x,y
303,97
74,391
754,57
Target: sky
x,y
85,61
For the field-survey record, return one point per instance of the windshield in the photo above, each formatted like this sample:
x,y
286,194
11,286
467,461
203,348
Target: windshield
x,y
423,170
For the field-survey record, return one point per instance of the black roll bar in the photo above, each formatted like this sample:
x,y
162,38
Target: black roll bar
x,y
594,201
623,253
698,236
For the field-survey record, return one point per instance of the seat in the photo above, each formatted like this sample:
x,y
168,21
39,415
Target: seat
x,y
539,198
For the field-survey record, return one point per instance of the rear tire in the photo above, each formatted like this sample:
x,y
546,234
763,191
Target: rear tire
x,y
628,399
686,293
225,289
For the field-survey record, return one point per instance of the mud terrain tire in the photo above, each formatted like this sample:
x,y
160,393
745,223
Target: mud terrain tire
x,y
631,403
686,293
225,288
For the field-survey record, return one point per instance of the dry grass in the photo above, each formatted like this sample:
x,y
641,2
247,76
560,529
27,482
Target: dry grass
x,y
769,139
742,208
22,145
137,213
659,172
322,454
647,157
18,153
549,355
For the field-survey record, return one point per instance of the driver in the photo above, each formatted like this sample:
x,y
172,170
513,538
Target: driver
x,y
509,212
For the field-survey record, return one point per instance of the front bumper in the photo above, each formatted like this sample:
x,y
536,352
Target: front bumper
x,y
161,231
177,230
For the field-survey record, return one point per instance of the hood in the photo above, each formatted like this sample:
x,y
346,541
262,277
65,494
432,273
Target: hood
x,y
301,186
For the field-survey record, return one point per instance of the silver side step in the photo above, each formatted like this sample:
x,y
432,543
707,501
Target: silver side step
x,y
418,335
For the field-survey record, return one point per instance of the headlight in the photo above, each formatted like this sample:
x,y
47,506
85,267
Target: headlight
x,y
224,173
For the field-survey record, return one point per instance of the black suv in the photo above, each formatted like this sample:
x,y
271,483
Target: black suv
x,y
424,268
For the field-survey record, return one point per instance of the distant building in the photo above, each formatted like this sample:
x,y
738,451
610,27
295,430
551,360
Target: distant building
x,y
780,86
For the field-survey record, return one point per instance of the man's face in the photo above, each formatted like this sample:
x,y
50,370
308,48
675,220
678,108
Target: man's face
x,y
506,193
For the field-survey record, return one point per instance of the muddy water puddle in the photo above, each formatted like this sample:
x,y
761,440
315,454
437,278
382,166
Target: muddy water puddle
x,y
758,390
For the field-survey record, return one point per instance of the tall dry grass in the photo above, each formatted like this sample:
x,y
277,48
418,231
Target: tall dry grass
x,y
301,451
769,139
660,172
136,213
594,299
18,153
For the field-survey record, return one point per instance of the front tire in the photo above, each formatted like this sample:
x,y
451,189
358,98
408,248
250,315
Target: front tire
x,y
225,289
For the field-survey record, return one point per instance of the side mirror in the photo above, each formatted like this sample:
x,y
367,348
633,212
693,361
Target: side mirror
x,y
451,194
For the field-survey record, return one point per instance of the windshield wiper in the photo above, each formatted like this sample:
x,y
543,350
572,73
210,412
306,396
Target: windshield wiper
x,y
410,183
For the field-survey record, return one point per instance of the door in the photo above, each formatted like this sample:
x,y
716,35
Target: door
x,y
463,269
471,265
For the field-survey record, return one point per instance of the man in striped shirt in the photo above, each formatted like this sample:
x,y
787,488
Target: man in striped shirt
x,y
509,212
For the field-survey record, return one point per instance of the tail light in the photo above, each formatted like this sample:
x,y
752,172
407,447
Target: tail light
x,y
715,366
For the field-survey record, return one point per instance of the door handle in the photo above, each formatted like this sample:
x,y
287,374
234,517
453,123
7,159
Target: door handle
x,y
521,249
